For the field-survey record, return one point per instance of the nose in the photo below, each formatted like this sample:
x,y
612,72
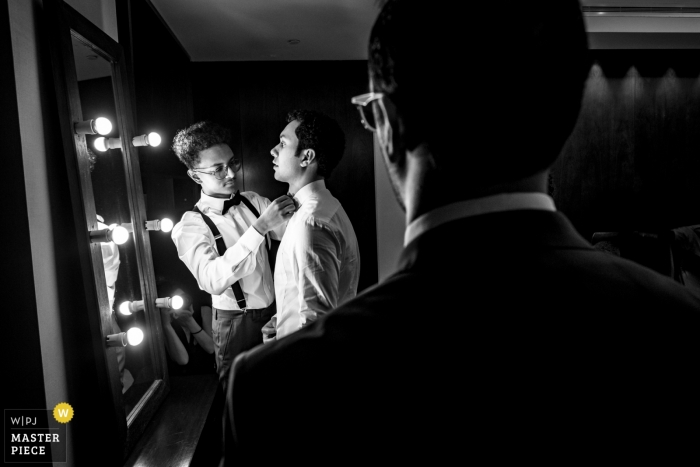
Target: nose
x,y
273,152
230,173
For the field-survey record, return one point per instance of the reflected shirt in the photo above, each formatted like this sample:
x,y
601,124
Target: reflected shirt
x,y
110,261
245,260
318,262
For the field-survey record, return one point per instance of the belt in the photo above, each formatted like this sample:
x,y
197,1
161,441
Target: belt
x,y
226,314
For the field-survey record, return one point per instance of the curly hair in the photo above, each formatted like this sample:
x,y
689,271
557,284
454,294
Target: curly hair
x,y
188,143
322,134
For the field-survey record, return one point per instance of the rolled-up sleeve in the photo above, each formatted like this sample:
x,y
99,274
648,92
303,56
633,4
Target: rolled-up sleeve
x,y
317,263
197,249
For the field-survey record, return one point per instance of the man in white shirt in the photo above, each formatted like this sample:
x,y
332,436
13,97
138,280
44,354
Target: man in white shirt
x,y
318,262
236,323
503,334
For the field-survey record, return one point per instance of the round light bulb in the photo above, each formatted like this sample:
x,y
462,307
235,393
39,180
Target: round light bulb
x,y
166,225
120,235
103,126
153,139
176,302
100,144
124,309
134,336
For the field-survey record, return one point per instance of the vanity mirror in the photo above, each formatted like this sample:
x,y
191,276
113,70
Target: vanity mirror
x,y
94,102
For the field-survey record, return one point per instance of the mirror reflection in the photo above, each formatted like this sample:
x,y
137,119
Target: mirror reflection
x,y
110,191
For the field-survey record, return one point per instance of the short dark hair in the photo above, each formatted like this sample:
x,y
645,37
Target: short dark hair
x,y
322,134
494,100
188,143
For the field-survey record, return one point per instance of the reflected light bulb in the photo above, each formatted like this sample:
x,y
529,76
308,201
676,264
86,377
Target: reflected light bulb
x,y
153,139
103,126
176,302
124,309
166,225
134,336
99,144
120,235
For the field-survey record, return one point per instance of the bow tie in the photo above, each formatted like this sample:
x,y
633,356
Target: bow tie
x,y
234,201
294,200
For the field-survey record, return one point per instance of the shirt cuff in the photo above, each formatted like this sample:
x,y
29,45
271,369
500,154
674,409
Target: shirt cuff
x,y
251,239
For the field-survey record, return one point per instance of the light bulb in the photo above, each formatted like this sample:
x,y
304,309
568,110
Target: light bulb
x,y
176,302
99,144
127,308
166,225
103,126
153,139
124,308
120,235
134,336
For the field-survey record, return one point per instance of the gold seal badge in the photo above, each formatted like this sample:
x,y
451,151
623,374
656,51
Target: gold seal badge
x,y
63,412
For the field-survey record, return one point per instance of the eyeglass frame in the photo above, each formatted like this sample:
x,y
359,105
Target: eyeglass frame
x,y
224,169
361,103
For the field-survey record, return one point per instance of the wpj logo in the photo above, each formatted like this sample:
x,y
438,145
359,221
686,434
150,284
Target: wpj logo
x,y
36,435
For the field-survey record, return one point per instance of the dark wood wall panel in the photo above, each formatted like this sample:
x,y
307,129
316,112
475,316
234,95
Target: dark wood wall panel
x,y
633,160
253,99
161,71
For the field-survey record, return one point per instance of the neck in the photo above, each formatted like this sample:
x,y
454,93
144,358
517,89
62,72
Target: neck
x,y
295,186
217,195
424,191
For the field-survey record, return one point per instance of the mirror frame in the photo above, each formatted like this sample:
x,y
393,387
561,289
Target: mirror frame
x,y
66,23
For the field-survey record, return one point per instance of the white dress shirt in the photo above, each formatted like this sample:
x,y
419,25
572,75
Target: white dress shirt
x,y
318,262
245,259
473,207
110,260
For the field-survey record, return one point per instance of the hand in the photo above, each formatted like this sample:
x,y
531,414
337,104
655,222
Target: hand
x,y
182,316
165,315
276,214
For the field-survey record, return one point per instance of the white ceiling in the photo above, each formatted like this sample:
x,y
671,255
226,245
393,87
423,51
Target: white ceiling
x,y
259,30
253,30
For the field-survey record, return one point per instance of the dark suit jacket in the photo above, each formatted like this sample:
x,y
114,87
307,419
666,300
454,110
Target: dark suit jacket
x,y
502,335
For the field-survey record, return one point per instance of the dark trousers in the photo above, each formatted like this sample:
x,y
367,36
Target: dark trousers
x,y
235,331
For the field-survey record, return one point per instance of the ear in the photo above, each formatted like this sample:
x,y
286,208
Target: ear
x,y
385,131
195,177
307,157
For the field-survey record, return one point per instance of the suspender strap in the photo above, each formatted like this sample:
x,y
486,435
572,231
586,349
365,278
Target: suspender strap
x,y
250,206
221,248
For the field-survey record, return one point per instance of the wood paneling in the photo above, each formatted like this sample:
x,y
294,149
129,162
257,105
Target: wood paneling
x,y
633,160
253,99
163,102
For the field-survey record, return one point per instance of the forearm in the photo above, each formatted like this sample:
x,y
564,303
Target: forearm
x,y
173,345
216,273
201,335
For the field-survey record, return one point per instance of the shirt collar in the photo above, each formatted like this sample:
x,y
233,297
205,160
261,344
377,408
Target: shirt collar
x,y
307,191
474,207
215,204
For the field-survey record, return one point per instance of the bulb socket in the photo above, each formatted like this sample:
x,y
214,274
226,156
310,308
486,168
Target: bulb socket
x,y
86,127
117,340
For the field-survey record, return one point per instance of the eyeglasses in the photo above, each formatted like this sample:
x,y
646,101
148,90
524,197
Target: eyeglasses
x,y
221,171
367,116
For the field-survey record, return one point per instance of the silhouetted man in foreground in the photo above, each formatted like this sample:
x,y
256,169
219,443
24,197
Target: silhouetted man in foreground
x,y
503,335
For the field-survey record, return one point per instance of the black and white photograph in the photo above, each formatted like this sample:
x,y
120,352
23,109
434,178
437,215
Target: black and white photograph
x,y
351,232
